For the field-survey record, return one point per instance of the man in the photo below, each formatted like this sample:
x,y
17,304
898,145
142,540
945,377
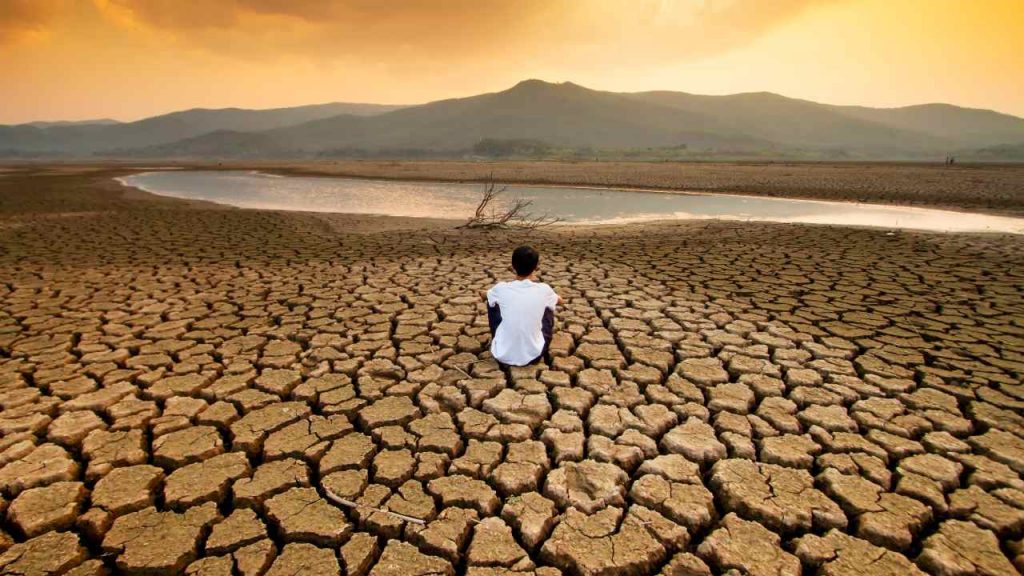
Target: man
x,y
521,313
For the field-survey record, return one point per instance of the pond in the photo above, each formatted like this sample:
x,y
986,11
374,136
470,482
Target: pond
x,y
246,189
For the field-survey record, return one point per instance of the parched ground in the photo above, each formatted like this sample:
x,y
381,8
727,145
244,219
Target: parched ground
x,y
192,389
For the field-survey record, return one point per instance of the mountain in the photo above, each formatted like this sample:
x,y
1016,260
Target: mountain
x,y
797,123
550,118
87,139
997,153
964,126
565,115
221,143
98,121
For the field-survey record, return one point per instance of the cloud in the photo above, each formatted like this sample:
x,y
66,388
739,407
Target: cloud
x,y
194,15
21,19
414,32
359,19
679,31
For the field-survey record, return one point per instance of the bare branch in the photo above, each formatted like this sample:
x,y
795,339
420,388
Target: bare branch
x,y
490,215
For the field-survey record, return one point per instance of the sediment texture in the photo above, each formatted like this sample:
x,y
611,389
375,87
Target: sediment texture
x,y
190,389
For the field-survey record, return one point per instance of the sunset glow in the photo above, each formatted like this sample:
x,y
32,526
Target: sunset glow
x,y
126,59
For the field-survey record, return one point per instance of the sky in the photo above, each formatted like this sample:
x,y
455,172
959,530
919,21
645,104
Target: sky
x,y
129,59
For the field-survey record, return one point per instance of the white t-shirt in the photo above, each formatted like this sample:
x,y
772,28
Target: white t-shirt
x,y
519,339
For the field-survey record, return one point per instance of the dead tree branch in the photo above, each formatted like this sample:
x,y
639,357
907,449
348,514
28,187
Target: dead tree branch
x,y
490,215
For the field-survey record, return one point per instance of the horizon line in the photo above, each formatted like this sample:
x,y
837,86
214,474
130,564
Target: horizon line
x,y
86,120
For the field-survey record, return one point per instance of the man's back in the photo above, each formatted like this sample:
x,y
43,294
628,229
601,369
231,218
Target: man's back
x,y
519,338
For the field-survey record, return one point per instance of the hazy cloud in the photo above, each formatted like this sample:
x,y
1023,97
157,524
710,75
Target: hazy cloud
x,y
672,31
21,18
392,32
190,14
360,17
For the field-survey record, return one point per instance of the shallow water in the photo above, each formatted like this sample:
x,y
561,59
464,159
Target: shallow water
x,y
576,205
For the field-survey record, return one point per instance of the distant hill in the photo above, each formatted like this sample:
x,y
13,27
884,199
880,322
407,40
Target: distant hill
x,y
966,127
550,118
98,121
798,123
998,153
558,114
86,139
211,145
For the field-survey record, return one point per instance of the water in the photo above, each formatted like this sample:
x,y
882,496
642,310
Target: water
x,y
575,205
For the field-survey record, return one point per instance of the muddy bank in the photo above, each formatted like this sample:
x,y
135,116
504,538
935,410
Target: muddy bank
x,y
997,189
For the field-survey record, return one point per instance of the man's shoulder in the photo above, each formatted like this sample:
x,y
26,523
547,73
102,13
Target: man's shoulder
x,y
497,289
543,286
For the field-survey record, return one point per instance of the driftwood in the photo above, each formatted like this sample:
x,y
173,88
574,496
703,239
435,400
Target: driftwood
x,y
350,504
357,506
516,215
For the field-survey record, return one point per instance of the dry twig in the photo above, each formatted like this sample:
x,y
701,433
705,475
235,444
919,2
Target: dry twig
x,y
350,504
516,215
357,506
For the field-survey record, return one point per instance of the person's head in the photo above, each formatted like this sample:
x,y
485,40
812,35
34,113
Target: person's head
x,y
524,261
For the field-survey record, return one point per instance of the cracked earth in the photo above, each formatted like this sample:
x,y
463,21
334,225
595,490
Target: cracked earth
x,y
187,389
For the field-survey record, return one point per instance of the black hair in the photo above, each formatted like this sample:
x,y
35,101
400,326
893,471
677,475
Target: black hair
x,y
524,260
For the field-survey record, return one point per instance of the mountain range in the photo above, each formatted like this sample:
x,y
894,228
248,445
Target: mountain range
x,y
551,117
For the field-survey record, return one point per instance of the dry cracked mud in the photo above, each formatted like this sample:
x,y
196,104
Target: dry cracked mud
x,y
189,389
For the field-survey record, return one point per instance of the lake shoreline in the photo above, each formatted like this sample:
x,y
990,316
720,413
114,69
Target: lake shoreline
x,y
994,189
255,189
991,189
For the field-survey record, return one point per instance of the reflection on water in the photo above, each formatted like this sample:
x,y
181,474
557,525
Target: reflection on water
x,y
577,205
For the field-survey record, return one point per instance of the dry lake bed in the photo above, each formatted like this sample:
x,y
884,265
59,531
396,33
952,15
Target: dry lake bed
x,y
188,388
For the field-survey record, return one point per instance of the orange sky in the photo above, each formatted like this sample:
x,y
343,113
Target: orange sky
x,y
126,59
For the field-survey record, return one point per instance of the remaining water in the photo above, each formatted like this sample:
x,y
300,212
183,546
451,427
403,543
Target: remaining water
x,y
576,205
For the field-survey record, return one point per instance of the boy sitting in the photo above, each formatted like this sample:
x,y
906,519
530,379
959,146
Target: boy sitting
x,y
521,313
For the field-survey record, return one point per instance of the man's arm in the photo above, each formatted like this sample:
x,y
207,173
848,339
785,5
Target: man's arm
x,y
493,311
553,299
491,296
